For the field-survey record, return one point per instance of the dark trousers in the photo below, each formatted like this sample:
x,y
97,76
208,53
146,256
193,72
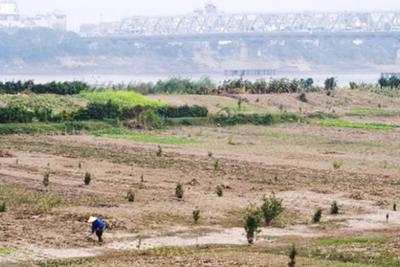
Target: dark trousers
x,y
99,234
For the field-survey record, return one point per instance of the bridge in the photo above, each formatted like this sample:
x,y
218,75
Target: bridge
x,y
205,26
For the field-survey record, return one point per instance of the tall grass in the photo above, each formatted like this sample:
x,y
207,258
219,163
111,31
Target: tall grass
x,y
356,125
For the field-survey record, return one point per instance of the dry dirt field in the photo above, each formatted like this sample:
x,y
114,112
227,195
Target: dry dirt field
x,y
308,166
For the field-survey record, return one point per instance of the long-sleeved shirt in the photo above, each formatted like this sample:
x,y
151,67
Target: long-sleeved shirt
x,y
98,225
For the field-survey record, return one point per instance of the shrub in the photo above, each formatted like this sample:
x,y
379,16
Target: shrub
x,y
330,83
219,190
210,154
182,111
303,98
292,257
130,196
317,216
271,208
148,119
87,179
216,165
394,207
46,180
179,191
337,165
252,222
3,207
334,208
159,151
196,216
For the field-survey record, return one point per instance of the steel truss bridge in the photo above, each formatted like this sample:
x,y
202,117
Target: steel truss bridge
x,y
262,24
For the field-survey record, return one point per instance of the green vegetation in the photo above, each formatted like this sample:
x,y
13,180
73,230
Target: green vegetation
x,y
32,102
64,88
179,191
356,125
46,179
130,196
292,257
196,216
351,241
120,98
303,97
317,216
6,251
252,222
3,207
219,190
87,179
334,208
138,136
256,119
379,112
51,128
271,208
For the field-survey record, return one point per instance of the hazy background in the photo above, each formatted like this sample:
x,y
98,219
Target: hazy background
x,y
87,11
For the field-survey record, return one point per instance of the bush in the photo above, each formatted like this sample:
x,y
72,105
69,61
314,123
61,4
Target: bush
x,y
271,208
252,222
179,191
150,120
330,83
46,180
303,98
15,114
216,165
130,196
219,190
87,179
292,257
99,111
196,216
3,207
394,207
317,216
182,111
334,208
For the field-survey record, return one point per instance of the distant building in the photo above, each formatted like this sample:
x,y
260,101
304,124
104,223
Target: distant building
x,y
10,18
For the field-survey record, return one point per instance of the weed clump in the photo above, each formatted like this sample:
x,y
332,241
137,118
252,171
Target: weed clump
x,y
337,165
3,207
394,207
219,190
292,257
196,216
216,165
334,208
179,191
271,208
210,154
317,216
130,196
46,179
159,151
252,222
87,179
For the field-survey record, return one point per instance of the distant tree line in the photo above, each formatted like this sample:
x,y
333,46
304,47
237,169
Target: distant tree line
x,y
392,82
237,86
60,88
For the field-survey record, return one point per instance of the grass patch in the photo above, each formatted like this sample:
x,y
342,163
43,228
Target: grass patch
x,y
52,128
378,112
31,102
356,125
351,241
6,251
145,137
348,264
121,98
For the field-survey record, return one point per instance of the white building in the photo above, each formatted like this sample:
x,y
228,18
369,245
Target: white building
x,y
10,18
